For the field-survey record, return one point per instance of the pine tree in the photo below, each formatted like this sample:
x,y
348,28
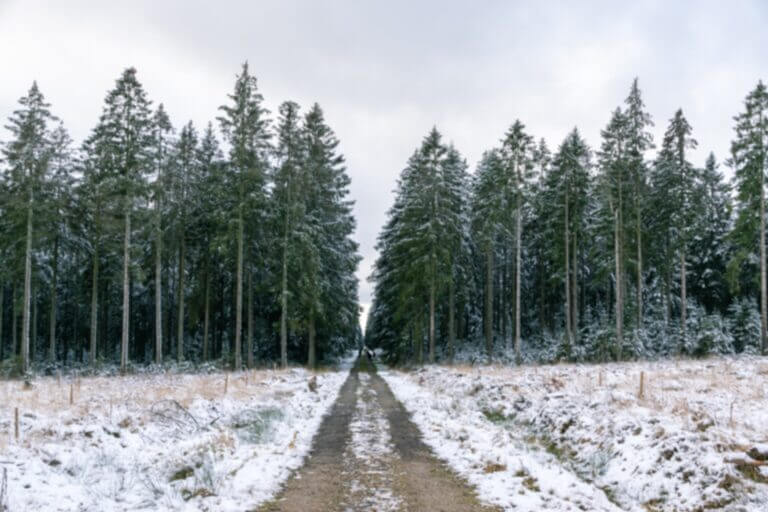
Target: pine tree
x,y
679,181
184,171
517,154
748,159
288,207
28,157
613,184
639,140
568,185
124,135
161,154
328,284
246,128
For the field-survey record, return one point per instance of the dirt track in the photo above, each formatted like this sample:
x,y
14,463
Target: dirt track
x,y
369,456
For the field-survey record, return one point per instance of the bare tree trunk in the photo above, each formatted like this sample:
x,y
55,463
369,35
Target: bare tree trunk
x,y
284,302
239,293
518,271
312,356
207,313
33,335
639,239
683,301
27,291
94,306
432,320
503,296
619,297
575,287
15,345
249,339
763,291
420,339
54,295
451,320
126,291
489,301
180,318
158,289
568,312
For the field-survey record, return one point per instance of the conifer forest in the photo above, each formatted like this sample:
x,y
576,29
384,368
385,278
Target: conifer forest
x,y
297,256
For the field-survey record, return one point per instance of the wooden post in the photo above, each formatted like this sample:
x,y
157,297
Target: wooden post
x,y
16,423
641,391
71,393
600,378
226,383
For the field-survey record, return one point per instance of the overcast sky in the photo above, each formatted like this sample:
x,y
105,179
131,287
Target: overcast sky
x,y
385,72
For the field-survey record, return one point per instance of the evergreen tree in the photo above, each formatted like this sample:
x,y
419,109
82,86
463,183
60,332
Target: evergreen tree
x,y
246,128
124,139
28,156
748,159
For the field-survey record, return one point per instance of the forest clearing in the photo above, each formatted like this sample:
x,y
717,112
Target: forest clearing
x,y
663,436
383,256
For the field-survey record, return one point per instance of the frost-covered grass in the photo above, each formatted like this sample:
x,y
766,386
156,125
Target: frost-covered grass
x,y
149,442
570,437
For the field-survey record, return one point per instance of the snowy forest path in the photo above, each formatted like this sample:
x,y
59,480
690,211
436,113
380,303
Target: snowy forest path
x,y
369,456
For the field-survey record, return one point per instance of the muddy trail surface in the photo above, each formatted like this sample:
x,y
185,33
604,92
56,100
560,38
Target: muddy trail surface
x,y
369,456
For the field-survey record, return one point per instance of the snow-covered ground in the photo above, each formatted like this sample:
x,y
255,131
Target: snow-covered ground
x,y
149,442
584,437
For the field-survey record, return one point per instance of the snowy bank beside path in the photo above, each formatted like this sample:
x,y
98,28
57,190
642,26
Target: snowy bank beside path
x,y
573,437
171,442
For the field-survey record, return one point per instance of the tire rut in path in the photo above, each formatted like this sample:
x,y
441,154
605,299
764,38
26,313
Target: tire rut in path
x,y
403,476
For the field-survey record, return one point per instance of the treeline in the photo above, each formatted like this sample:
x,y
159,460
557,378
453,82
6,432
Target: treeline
x,y
581,254
147,243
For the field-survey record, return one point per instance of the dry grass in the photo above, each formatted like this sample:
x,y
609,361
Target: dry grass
x,y
118,398
732,393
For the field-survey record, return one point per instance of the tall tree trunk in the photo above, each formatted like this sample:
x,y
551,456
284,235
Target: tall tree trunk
x,y
420,339
619,298
33,335
518,272
763,290
503,296
683,301
312,356
249,339
27,291
639,241
568,311
54,296
575,287
126,292
158,288
284,302
207,313
489,301
239,293
432,320
180,318
15,345
94,306
451,319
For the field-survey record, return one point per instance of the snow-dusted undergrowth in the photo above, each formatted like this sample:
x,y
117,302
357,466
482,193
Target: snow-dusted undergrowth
x,y
572,437
175,442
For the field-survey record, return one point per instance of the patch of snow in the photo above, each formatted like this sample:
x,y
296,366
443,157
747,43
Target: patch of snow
x,y
567,437
175,442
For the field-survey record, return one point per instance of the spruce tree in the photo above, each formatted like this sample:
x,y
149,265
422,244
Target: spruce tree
x,y
124,137
748,160
246,128
28,155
